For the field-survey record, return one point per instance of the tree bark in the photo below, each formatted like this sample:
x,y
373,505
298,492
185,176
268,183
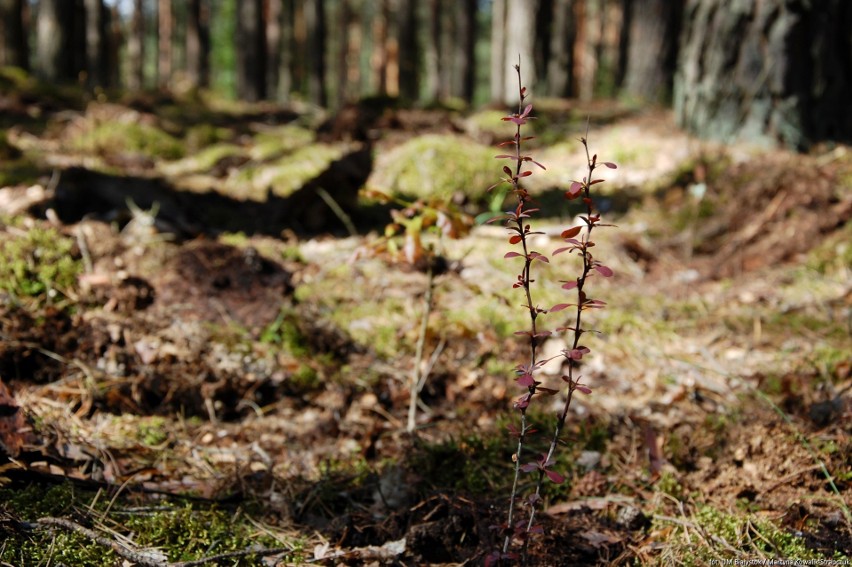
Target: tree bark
x,y
53,41
409,50
315,26
164,42
286,46
274,21
251,51
560,66
433,51
464,43
653,29
96,56
498,52
767,72
197,44
519,44
13,48
136,48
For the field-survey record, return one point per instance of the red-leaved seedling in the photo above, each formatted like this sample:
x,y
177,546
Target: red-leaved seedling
x,y
577,240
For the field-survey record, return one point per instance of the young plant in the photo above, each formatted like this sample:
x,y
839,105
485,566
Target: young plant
x,y
577,239
406,241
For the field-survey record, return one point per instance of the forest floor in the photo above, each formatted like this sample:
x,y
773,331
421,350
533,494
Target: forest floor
x,y
198,359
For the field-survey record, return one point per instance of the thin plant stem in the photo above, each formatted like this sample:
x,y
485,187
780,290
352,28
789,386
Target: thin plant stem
x,y
415,380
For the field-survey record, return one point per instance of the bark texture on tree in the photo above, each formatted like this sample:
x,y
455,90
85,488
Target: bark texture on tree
x,y
409,50
251,51
164,41
197,44
560,64
136,48
13,47
315,25
96,40
766,72
498,54
652,42
519,44
55,61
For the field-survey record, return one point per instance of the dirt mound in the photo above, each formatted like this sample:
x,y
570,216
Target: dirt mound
x,y
769,210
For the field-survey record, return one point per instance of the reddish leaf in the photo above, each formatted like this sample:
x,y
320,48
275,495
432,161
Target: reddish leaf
x,y
537,256
512,255
547,391
555,476
574,191
559,307
525,174
529,467
517,238
571,232
604,271
570,285
507,143
525,380
504,156
585,389
527,110
610,165
563,249
506,170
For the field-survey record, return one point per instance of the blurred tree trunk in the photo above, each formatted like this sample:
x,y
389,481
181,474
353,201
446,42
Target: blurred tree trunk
x,y
197,44
285,51
315,26
434,64
409,50
498,54
55,25
274,45
653,28
115,39
771,71
13,48
464,41
519,41
560,65
379,57
164,41
96,55
251,51
136,48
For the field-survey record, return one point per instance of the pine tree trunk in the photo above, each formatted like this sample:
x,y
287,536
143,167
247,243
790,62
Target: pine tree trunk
x,y
519,44
96,60
653,29
55,25
315,26
433,51
13,48
164,42
464,43
766,72
409,52
560,65
498,53
136,48
197,44
251,51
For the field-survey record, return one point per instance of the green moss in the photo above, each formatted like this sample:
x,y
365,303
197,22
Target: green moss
x,y
714,534
186,533
114,136
39,262
437,166
284,175
203,160
285,332
200,136
279,141
152,431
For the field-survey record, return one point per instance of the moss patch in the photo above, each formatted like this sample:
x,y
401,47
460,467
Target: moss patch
x,y
39,262
437,166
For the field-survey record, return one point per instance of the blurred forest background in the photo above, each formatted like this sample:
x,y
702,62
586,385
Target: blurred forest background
x,y
768,71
